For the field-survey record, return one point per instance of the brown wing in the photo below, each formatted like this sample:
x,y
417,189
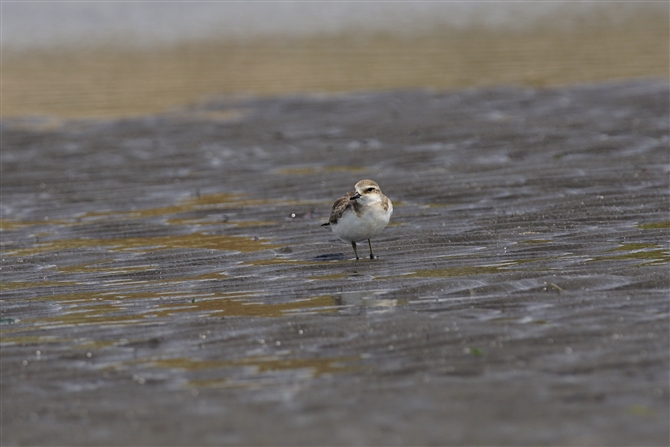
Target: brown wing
x,y
339,207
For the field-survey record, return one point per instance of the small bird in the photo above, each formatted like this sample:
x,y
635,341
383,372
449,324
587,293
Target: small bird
x,y
361,214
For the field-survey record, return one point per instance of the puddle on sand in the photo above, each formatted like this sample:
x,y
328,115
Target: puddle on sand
x,y
372,299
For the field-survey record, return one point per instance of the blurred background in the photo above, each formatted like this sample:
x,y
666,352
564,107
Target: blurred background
x,y
111,59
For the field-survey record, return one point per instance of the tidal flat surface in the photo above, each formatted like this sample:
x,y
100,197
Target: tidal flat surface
x,y
166,281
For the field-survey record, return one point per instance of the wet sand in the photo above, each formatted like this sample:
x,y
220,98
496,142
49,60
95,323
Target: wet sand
x,y
122,80
165,280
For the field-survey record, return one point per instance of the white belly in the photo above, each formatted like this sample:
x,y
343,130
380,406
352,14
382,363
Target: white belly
x,y
352,227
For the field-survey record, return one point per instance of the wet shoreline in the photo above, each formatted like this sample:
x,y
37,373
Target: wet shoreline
x,y
107,80
163,281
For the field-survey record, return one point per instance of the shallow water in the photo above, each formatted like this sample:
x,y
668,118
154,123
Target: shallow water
x,y
166,281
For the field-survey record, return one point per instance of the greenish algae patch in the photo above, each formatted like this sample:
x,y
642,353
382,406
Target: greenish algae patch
x,y
119,308
641,410
238,306
476,352
210,221
656,257
106,269
101,270
191,241
656,225
259,364
11,225
6,286
30,339
205,202
634,247
209,277
93,298
104,314
460,271
280,261
311,170
642,251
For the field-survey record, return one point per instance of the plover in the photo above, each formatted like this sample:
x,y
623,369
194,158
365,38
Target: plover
x,y
361,214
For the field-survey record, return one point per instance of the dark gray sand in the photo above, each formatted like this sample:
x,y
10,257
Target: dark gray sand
x,y
165,281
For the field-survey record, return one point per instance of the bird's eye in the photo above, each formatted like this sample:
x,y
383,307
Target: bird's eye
x,y
370,189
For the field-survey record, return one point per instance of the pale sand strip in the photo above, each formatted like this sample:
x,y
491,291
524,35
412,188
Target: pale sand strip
x,y
108,82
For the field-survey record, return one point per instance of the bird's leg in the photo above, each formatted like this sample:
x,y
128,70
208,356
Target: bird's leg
x,y
370,244
353,244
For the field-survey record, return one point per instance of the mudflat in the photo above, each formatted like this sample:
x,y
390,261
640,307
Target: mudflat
x,y
166,281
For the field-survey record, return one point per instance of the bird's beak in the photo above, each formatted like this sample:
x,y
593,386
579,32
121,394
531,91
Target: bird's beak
x,y
356,195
